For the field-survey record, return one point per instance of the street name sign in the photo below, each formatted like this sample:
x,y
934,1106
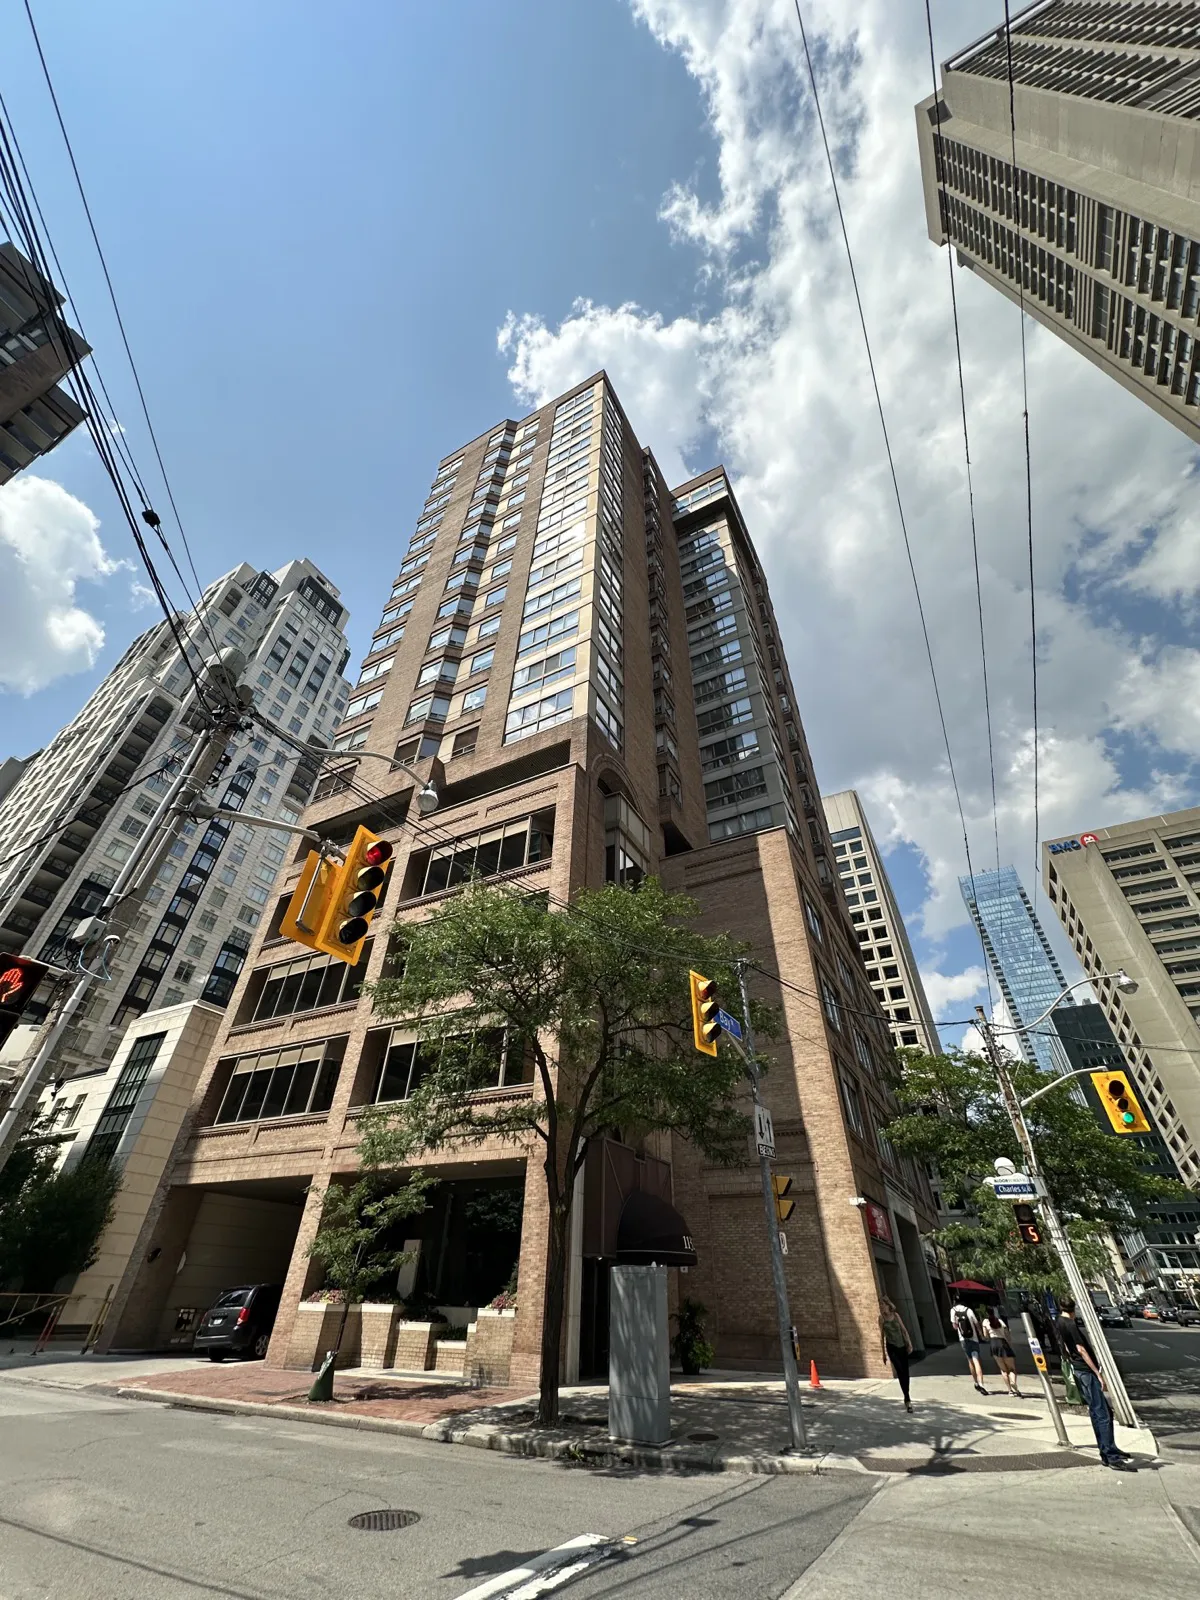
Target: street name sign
x,y
731,1025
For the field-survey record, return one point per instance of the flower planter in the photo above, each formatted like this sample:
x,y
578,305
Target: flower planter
x,y
315,1331
489,1348
415,1344
450,1356
379,1323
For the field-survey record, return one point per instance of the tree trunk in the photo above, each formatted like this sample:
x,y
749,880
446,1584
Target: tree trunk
x,y
553,1306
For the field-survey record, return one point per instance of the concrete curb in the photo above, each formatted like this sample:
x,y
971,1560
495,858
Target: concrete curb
x,y
485,1437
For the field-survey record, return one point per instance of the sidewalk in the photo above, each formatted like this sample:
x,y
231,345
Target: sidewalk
x,y
721,1422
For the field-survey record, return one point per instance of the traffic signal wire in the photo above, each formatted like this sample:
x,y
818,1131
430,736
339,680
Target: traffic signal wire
x,y
1022,247
887,443
940,167
112,295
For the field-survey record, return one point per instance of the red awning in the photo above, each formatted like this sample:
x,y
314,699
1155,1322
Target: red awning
x,y
969,1283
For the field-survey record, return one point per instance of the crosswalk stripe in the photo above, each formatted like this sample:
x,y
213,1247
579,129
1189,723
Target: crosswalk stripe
x,y
547,1571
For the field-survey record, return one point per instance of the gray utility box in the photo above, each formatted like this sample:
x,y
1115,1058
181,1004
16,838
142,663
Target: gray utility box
x,y
639,1357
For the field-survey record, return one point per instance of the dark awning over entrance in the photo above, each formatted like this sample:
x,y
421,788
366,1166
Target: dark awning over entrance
x,y
652,1233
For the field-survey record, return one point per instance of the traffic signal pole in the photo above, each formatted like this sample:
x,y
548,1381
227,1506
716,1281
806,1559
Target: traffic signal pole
x,y
1117,1392
144,859
791,1378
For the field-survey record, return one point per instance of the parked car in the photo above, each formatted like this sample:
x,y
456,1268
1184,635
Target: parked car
x,y
1168,1314
1187,1317
1111,1317
240,1322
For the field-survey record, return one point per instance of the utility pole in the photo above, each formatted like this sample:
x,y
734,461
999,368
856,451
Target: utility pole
x,y
791,1377
219,724
1119,1395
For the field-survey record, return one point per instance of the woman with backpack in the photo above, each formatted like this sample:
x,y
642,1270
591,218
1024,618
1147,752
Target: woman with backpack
x,y
970,1335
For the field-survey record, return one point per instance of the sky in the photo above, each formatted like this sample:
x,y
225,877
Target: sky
x,y
346,241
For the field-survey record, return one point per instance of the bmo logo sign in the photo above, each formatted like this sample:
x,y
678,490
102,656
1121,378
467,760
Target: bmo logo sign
x,y
1081,843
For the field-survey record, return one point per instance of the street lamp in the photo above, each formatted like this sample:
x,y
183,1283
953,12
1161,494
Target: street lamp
x,y
1122,1404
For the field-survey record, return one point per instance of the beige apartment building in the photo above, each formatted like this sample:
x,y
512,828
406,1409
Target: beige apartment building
x,y
587,665
1096,223
1129,897
891,966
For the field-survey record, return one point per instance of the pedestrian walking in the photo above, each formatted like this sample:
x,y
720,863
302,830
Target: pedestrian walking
x,y
995,1331
897,1346
1079,1352
970,1335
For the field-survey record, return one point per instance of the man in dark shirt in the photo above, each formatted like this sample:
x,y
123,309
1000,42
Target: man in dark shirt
x,y
1086,1368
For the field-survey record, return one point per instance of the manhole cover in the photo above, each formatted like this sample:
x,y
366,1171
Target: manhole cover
x,y
703,1438
383,1521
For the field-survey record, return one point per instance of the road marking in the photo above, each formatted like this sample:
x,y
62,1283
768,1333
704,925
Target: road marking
x,y
547,1571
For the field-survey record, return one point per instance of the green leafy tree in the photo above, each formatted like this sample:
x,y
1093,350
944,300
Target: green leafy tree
x,y
51,1220
595,1001
952,1114
351,1238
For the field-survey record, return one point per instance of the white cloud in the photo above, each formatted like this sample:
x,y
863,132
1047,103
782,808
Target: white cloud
x,y
947,991
777,375
49,543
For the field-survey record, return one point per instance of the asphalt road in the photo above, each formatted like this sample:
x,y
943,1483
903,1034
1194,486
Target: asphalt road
x,y
1161,1366
103,1499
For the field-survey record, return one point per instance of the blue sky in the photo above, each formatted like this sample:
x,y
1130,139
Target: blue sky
x,y
318,222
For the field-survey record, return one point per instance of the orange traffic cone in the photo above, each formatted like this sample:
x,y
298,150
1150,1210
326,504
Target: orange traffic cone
x,y
814,1381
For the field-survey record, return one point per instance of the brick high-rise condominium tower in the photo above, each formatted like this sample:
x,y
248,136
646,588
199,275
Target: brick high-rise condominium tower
x,y
1098,226
587,665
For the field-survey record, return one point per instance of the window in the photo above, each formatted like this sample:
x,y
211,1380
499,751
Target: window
x,y
305,984
396,1066
442,670
133,826
609,723
524,721
626,843
748,784
558,628
852,1100
540,674
364,702
118,850
376,669
297,1080
550,598
185,971
433,708
831,1004
813,917
454,635
495,597
501,848
119,1107
460,606
464,743
488,628
474,698
482,661
352,741
727,752
727,716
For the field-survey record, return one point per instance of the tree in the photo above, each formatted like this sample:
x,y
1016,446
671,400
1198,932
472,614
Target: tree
x,y
51,1219
953,1115
594,1005
351,1236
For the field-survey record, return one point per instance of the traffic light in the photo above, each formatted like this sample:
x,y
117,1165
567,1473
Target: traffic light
x,y
1120,1102
783,1206
307,908
1028,1225
705,1027
19,977
354,896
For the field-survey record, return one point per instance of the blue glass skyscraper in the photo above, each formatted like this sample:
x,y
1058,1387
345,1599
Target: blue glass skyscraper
x,y
1021,960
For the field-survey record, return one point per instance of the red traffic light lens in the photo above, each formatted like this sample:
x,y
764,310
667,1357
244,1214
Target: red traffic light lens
x,y
377,853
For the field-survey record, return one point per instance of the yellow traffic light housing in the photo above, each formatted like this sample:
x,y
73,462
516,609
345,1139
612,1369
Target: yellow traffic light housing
x,y
309,905
1120,1103
705,1027
783,1206
354,897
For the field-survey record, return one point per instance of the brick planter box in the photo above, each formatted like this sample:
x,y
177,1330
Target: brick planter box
x,y
489,1347
379,1323
451,1355
315,1330
415,1345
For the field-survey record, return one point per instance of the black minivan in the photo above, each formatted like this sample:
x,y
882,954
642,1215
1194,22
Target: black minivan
x,y
240,1322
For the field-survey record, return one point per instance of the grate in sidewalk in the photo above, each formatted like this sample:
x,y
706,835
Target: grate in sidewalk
x,y
384,1521
1040,1461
